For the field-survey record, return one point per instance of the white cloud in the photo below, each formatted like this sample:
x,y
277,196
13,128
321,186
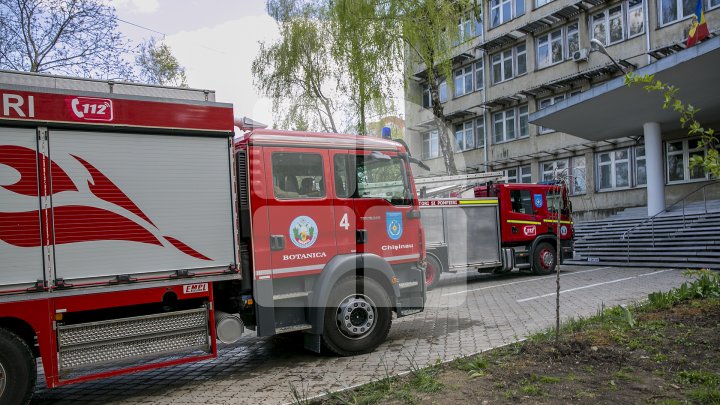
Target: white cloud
x,y
219,58
138,6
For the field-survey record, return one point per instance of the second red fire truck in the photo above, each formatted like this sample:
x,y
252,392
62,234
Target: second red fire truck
x,y
500,227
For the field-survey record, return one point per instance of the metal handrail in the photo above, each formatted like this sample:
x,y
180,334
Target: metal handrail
x,y
627,234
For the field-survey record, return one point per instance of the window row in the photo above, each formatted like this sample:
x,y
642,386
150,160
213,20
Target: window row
x,y
676,10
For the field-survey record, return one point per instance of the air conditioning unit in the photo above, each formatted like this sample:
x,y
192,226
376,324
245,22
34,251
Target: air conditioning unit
x,y
580,55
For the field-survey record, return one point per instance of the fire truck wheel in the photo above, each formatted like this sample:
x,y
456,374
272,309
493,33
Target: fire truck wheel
x,y
357,317
544,258
17,369
433,270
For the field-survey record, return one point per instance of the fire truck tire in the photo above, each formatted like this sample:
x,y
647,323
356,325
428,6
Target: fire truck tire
x,y
433,270
18,372
357,320
544,259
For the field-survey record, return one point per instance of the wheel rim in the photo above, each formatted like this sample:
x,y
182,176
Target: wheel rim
x,y
356,316
3,380
430,274
547,259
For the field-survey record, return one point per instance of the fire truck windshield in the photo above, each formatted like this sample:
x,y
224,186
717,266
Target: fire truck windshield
x,y
383,178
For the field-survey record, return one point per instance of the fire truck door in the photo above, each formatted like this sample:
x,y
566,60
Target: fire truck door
x,y
521,223
383,200
343,189
301,221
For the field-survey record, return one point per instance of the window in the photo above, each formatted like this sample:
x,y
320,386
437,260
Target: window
x,y
427,94
550,48
431,145
480,132
521,174
426,97
521,201
298,175
539,3
464,136
571,170
480,74
572,40
620,22
640,166
509,63
469,27
382,178
713,4
510,124
502,11
635,18
525,174
675,10
679,154
613,169
368,176
545,103
463,81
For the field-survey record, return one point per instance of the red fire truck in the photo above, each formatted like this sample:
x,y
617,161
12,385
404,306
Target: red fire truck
x,y
135,232
498,228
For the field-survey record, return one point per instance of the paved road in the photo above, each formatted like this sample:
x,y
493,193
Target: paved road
x,y
466,315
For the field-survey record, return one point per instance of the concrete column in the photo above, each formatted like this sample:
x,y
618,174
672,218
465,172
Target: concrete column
x,y
654,167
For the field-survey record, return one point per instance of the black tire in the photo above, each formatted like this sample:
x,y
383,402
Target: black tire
x,y
18,372
343,298
544,259
433,270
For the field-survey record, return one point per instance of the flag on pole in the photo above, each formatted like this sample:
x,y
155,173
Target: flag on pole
x,y
698,29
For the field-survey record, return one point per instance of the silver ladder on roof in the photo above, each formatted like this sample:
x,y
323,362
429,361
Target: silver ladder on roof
x,y
444,184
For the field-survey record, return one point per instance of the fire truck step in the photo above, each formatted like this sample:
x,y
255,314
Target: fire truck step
x,y
409,284
293,328
127,338
289,296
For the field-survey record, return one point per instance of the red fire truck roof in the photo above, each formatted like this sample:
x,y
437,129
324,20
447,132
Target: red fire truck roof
x,y
274,137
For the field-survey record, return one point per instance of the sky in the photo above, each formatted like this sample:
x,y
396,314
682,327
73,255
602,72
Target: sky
x,y
215,40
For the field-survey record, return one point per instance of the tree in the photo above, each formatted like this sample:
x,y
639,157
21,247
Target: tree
x,y
711,161
370,39
72,37
295,71
158,65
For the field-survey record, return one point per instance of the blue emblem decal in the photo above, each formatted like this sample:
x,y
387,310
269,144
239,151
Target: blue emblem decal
x,y
303,232
393,224
537,198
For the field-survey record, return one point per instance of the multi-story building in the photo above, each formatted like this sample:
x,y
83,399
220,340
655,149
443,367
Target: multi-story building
x,y
525,55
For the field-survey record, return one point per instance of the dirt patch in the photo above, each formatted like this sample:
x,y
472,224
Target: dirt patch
x,y
647,356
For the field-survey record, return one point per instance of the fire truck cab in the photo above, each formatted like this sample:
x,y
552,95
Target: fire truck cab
x,y
323,216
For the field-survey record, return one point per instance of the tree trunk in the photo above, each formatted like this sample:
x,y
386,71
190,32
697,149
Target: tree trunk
x,y
443,134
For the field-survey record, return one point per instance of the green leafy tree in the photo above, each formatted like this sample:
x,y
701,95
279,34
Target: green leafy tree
x,y
72,37
158,65
711,161
295,72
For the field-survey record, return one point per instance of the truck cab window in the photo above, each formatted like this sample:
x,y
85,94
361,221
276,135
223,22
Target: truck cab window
x,y
298,176
372,176
382,176
555,201
521,201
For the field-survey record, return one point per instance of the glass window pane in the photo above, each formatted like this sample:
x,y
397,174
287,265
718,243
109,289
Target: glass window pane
x,y
543,55
669,11
506,11
510,125
298,175
641,172
522,64
605,177
605,157
688,7
636,21
479,80
697,172
507,70
519,7
675,146
676,167
621,154
579,185
616,25
622,174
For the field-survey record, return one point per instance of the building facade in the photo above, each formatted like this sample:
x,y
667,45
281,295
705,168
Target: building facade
x,y
525,55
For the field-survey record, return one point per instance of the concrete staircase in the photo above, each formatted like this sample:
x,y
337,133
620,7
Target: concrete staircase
x,y
670,240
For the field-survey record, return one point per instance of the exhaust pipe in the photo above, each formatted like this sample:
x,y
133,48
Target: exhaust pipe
x,y
228,327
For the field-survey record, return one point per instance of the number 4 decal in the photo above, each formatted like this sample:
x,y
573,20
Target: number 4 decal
x,y
344,223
